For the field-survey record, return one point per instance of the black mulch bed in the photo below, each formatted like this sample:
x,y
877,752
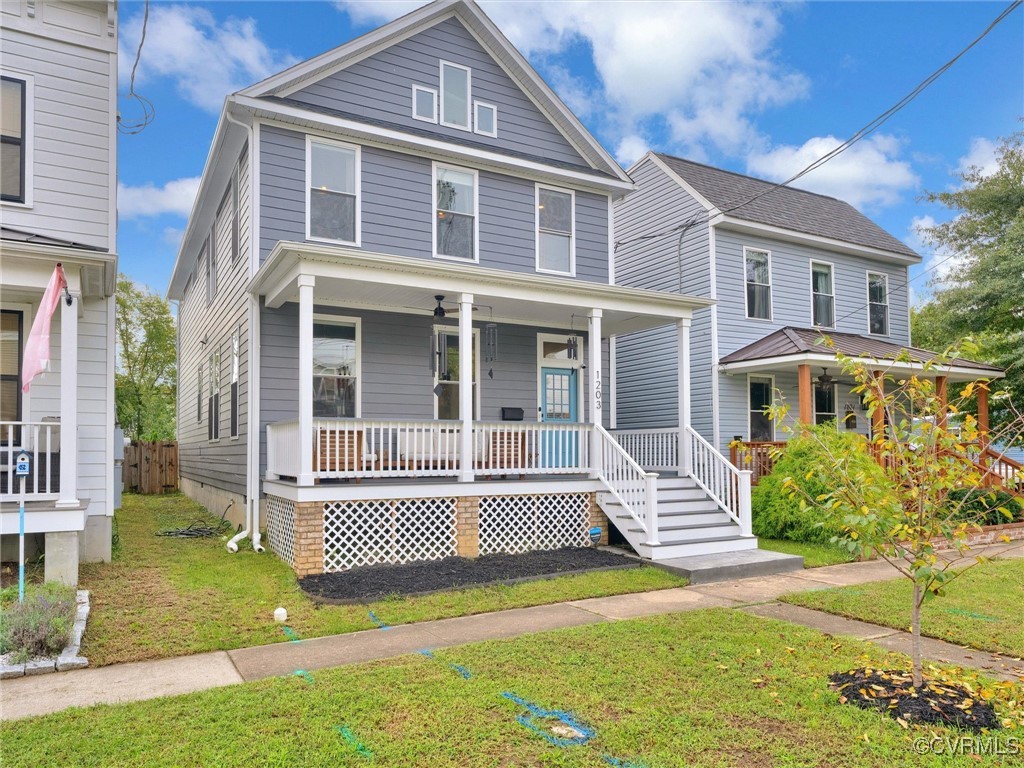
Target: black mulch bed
x,y
377,581
937,702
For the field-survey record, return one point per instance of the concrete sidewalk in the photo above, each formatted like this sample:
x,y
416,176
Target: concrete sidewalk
x,y
37,695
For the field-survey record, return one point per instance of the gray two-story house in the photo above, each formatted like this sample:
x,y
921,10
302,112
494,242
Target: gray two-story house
x,y
396,291
786,268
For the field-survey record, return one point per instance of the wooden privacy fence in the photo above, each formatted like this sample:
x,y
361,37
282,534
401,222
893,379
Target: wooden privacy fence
x,y
151,467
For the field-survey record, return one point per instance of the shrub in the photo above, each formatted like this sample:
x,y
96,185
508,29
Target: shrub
x,y
779,513
984,506
40,626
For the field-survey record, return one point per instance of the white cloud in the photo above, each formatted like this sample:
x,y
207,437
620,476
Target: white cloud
x,y
981,156
868,175
207,60
940,263
630,149
175,197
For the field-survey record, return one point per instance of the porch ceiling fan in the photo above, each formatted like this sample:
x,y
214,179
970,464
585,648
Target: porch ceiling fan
x,y
825,379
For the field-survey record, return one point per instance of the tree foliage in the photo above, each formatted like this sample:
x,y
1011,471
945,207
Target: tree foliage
x,y
146,378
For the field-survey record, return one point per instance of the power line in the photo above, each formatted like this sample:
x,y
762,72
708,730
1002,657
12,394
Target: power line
x,y
148,110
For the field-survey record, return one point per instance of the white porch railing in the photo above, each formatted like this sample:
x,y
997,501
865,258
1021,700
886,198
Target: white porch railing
x,y
726,483
634,488
531,448
41,441
653,449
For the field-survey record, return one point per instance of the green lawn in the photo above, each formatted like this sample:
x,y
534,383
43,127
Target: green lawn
x,y
709,688
984,608
814,555
170,597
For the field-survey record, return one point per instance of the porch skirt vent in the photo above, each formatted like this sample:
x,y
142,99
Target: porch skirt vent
x,y
281,528
388,531
517,524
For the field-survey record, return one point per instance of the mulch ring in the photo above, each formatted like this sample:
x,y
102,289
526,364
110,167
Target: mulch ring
x,y
937,702
422,578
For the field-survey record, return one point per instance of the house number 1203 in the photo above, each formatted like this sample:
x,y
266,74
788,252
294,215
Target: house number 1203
x,y
597,392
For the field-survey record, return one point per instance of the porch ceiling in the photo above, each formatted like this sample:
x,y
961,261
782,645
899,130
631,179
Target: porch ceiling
x,y
359,279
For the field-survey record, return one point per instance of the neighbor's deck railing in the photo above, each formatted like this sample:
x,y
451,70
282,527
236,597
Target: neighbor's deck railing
x,y
41,441
652,449
758,457
726,483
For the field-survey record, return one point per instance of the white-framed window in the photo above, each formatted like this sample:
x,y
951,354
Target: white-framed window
x,y
878,304
485,119
337,356
12,346
424,104
455,218
825,399
208,271
455,100
823,295
758,271
199,394
760,394
213,399
445,347
332,191
556,230
236,364
16,133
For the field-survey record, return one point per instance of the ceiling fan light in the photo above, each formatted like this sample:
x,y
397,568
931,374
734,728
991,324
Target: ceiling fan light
x,y
439,310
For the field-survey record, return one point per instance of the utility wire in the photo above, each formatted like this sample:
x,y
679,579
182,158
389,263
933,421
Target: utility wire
x,y
148,110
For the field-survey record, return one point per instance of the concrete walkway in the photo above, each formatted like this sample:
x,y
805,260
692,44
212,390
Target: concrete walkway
x,y
37,695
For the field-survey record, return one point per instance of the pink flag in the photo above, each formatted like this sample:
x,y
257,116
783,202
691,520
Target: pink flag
x,y
37,350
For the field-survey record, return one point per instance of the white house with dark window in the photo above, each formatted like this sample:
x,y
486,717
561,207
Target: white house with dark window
x,y
58,80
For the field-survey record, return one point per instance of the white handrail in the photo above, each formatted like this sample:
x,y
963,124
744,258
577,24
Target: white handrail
x,y
531,448
723,481
652,449
633,487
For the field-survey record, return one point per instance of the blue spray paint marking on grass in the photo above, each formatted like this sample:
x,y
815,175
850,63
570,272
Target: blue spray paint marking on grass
x,y
304,675
380,624
465,673
426,652
585,733
970,615
355,743
614,761
290,634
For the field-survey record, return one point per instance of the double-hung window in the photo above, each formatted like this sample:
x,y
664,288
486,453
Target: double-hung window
x,y
446,372
236,358
332,191
758,267
335,367
455,102
555,241
15,100
762,428
878,304
455,204
823,298
213,400
12,333
199,394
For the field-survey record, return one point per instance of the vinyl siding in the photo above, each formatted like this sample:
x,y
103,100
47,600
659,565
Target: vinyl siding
x,y
380,88
397,209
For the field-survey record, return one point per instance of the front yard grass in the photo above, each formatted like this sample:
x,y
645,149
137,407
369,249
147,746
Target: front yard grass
x,y
703,689
164,597
815,555
983,608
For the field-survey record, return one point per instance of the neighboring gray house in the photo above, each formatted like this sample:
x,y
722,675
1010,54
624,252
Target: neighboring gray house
x,y
784,266
58,182
393,292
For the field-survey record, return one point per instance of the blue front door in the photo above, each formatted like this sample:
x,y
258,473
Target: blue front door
x,y
558,404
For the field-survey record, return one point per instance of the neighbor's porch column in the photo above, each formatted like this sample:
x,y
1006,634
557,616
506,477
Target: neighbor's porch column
x,y
805,393
68,496
878,417
983,439
306,284
941,392
683,364
595,384
466,387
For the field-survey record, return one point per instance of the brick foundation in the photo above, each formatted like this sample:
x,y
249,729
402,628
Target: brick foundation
x,y
309,538
993,534
598,519
467,531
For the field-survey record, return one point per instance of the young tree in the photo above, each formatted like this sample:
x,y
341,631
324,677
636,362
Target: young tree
x,y
906,513
146,376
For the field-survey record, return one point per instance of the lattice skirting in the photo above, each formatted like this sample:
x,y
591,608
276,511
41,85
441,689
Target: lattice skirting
x,y
281,528
516,524
388,531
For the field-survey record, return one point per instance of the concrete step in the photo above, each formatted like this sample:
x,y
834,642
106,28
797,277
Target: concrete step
x,y
696,546
707,568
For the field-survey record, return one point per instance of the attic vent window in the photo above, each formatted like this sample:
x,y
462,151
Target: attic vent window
x,y
424,104
455,85
485,120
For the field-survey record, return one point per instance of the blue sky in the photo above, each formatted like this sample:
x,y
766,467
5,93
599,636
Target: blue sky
x,y
758,88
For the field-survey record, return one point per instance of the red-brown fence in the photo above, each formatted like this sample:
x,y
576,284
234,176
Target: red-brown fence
x,y
151,467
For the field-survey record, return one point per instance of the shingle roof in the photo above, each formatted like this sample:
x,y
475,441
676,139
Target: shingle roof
x,y
785,207
795,341
20,236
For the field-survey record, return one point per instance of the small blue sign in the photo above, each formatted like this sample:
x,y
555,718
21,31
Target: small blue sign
x,y
21,465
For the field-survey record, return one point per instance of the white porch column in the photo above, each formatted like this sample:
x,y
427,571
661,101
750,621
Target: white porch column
x,y
683,359
306,284
595,384
68,403
466,387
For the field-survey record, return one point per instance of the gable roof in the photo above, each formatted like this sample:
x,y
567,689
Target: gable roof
x,y
800,341
487,34
785,207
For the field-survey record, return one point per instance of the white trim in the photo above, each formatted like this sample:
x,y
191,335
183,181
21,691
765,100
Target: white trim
x,y
690,190
112,209
611,241
434,166
254,205
212,360
433,93
867,288
28,141
613,399
824,359
745,283
750,408
235,409
357,171
27,315
469,98
832,281
427,490
476,119
716,428
111,306
453,330
537,230
543,362
325,318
